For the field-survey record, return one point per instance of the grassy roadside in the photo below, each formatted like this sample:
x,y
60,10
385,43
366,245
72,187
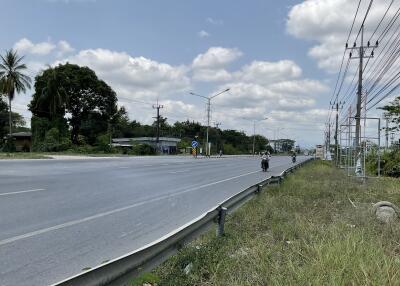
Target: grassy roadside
x,y
22,155
48,155
304,232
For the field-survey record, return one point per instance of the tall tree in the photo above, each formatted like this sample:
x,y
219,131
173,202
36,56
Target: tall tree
x,y
52,95
393,113
87,99
12,78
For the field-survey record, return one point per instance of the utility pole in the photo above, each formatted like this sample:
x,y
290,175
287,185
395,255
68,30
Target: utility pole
x,y
157,107
329,137
361,55
254,131
217,125
386,117
209,113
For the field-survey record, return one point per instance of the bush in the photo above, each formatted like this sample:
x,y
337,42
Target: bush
x,y
103,143
142,149
390,163
9,145
230,150
53,142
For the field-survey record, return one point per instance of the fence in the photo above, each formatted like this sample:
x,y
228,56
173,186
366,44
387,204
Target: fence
x,y
122,270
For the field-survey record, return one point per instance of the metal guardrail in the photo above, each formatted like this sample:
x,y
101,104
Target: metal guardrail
x,y
122,270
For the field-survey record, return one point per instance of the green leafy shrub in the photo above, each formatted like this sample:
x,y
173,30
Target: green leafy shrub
x,y
389,163
230,150
142,149
9,145
103,143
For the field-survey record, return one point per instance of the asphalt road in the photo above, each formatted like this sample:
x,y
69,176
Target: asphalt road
x,y
58,217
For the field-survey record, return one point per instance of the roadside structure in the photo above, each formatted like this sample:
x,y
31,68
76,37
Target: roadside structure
x,y
165,145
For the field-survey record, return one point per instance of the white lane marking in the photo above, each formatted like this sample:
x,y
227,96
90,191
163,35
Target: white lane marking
x,y
178,172
99,215
21,192
123,167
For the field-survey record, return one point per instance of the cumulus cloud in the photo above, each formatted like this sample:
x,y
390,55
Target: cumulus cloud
x,y
26,46
216,57
328,23
138,77
211,65
264,72
64,48
275,89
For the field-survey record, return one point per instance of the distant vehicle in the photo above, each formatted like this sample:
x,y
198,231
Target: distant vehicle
x,y
319,152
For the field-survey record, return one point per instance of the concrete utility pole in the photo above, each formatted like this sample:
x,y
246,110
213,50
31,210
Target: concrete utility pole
x,y
217,125
386,117
254,133
361,55
209,113
254,130
158,106
337,129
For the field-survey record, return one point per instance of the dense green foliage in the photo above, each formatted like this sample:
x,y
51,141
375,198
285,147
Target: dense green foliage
x,y
12,79
390,159
3,119
73,109
18,125
229,141
90,103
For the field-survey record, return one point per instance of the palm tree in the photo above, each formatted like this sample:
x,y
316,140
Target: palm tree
x,y
12,79
53,95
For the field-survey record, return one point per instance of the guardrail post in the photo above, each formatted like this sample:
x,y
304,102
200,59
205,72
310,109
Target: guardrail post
x,y
221,221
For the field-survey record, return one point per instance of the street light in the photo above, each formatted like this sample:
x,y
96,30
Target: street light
x,y
209,112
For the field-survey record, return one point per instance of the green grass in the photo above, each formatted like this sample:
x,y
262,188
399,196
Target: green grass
x,y
22,155
304,232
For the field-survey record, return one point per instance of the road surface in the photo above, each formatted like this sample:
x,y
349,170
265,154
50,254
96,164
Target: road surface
x,y
58,217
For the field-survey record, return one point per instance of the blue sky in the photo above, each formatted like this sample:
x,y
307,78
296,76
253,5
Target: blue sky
x,y
162,30
267,52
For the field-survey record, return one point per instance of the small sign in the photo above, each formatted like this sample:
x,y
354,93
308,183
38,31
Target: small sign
x,y
195,144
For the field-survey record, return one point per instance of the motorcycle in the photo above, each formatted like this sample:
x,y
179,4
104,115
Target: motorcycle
x,y
264,165
293,159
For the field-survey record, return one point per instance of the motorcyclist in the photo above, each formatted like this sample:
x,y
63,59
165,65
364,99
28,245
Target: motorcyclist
x,y
265,161
294,156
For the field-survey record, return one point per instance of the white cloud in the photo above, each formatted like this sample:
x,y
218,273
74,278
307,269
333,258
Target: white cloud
x,y
137,77
64,48
203,34
26,46
210,75
258,89
213,21
216,57
328,22
263,72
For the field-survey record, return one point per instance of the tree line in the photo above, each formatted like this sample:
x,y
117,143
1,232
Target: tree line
x,y
73,109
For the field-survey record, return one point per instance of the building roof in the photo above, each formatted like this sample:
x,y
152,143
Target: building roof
x,y
22,134
150,139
